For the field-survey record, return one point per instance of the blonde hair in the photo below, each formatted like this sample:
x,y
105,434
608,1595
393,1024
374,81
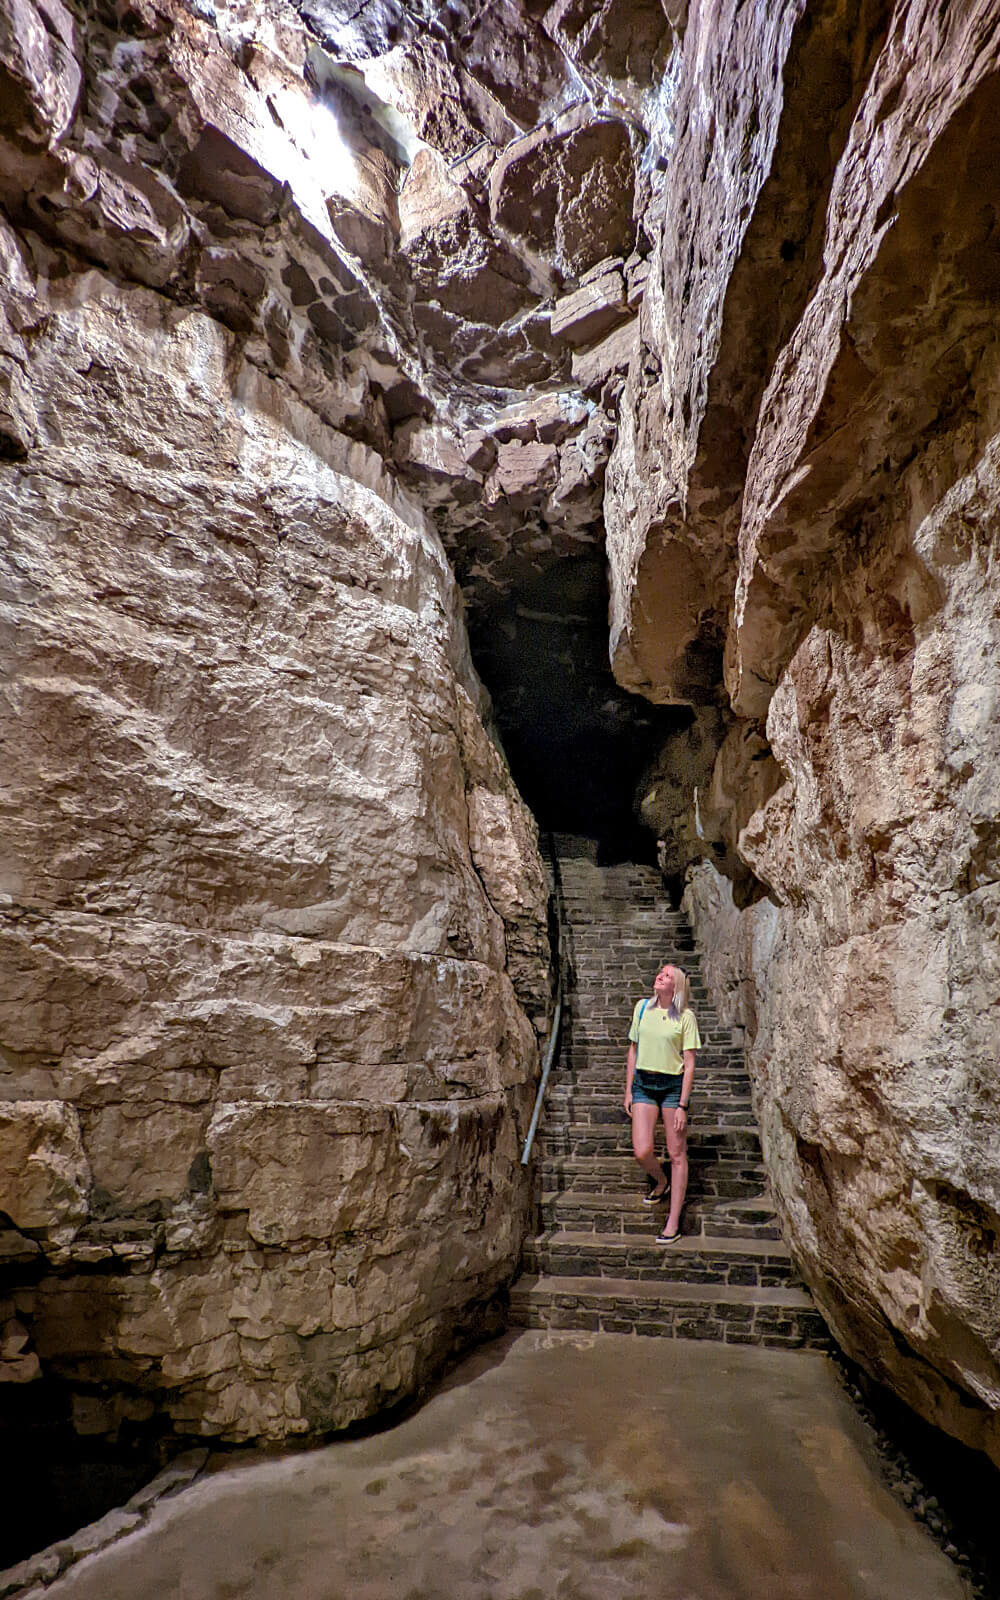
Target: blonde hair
x,y
681,1001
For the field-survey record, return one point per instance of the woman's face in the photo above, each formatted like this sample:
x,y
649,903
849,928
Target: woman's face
x,y
663,985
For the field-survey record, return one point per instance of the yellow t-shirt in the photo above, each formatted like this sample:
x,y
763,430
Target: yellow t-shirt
x,y
662,1038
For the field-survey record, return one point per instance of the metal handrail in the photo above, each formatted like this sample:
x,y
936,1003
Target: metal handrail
x,y
551,1047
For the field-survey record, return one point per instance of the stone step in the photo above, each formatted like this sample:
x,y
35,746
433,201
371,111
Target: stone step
x,y
639,901
588,1052
643,925
616,940
607,1040
696,1259
729,1313
607,1113
642,913
598,1093
610,1024
617,949
633,963
622,973
603,1042
618,944
590,1072
728,1175
590,1068
711,1216
578,1139
638,919
709,1109
608,1076
596,1264
610,1033
619,1003
606,999
610,1030
615,1010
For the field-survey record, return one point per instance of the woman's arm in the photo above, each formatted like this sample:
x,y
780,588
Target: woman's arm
x,y
680,1115
629,1075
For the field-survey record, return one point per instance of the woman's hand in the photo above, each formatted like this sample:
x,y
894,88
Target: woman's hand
x,y
680,1119
627,1102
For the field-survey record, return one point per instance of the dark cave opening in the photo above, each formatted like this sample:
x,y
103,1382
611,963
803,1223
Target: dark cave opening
x,y
56,1478
577,742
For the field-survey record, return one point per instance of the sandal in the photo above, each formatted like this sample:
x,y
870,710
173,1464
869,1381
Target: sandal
x,y
668,1238
654,1196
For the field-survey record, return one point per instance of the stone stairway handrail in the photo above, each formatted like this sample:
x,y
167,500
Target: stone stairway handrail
x,y
553,1044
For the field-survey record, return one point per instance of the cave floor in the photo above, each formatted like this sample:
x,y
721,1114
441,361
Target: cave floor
x,y
556,1465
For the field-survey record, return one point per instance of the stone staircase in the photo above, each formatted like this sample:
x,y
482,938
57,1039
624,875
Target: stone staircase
x,y
595,1263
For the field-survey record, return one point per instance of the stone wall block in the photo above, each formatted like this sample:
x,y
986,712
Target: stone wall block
x,y
303,1171
565,193
40,73
45,1182
242,920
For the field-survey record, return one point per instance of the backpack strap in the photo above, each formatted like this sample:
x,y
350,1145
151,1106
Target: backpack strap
x,y
642,1013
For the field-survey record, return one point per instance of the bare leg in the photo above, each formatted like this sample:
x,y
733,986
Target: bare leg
x,y
643,1135
677,1150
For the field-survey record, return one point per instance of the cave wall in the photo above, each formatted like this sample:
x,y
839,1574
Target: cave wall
x,y
274,921
804,487
307,314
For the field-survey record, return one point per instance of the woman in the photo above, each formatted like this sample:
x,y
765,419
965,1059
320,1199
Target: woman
x,y
659,1071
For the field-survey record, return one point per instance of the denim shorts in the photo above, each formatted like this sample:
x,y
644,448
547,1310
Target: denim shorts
x,y
656,1088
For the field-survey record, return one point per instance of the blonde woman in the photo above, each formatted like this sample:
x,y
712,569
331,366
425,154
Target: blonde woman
x,y
659,1072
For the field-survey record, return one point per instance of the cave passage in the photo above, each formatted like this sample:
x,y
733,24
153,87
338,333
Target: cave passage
x,y
647,353
577,742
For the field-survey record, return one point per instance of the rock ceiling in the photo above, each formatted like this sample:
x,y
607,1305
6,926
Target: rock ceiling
x,y
430,221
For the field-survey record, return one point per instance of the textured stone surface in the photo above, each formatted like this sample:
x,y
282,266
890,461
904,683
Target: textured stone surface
x,y
45,1176
268,1042
736,237
595,307
804,494
290,295
565,192
538,1433
251,947
624,44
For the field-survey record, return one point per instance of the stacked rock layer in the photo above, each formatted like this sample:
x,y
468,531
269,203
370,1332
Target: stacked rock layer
x,y
274,922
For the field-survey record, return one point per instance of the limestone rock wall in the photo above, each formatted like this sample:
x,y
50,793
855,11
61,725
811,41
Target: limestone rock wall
x,y
274,922
804,495
264,1061
306,309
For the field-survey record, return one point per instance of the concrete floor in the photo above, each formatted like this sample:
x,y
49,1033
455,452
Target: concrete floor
x,y
569,1466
